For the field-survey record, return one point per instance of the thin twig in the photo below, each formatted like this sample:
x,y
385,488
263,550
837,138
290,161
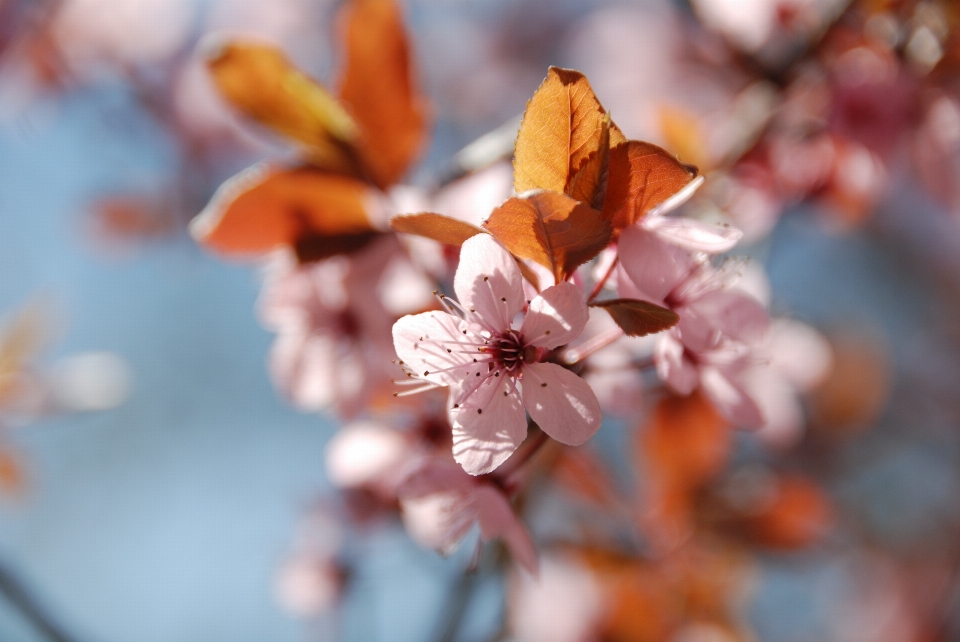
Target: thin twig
x,y
460,595
20,598
603,281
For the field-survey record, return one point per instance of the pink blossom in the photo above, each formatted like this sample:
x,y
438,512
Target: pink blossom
x,y
333,321
441,504
710,346
686,232
495,371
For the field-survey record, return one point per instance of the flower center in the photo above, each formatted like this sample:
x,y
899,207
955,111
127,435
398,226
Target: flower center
x,y
508,350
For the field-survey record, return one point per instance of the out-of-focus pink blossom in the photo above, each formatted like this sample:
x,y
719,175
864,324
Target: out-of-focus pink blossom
x,y
792,359
495,371
368,454
564,604
333,321
709,347
440,504
97,35
311,579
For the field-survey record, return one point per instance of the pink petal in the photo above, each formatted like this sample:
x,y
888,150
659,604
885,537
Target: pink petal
x,y
694,235
556,317
488,426
433,476
655,267
429,344
730,397
673,367
364,454
732,313
497,519
562,404
488,283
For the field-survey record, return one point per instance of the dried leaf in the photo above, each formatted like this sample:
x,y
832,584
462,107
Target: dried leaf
x,y
379,89
13,479
21,338
264,207
437,227
798,515
686,440
589,184
640,177
261,82
551,229
561,128
683,446
638,318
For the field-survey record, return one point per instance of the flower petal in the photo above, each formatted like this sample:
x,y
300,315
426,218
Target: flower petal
x,y
562,404
488,426
693,235
556,317
655,267
672,367
430,344
736,315
488,283
497,519
730,397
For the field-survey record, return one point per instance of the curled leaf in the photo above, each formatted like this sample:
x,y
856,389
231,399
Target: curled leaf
x,y
437,227
562,127
551,229
263,84
264,207
378,88
640,177
638,318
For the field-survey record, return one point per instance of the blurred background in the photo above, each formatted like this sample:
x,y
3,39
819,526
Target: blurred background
x,y
154,480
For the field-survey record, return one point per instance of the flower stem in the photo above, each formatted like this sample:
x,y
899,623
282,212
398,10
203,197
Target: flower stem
x,y
603,280
576,355
26,604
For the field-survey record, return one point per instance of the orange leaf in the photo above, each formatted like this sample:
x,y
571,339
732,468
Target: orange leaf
x,y
638,318
437,227
561,128
264,207
685,444
589,184
798,515
686,439
261,82
640,177
13,479
379,90
551,229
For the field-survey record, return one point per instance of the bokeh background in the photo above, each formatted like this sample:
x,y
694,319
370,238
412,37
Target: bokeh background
x,y
166,516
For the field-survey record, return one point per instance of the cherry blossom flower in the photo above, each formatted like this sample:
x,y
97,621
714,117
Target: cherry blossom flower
x,y
495,371
710,346
333,322
686,232
440,505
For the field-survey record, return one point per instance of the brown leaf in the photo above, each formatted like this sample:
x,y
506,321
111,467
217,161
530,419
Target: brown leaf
x,y
262,83
640,177
561,128
379,89
264,207
437,227
551,229
638,318
589,184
